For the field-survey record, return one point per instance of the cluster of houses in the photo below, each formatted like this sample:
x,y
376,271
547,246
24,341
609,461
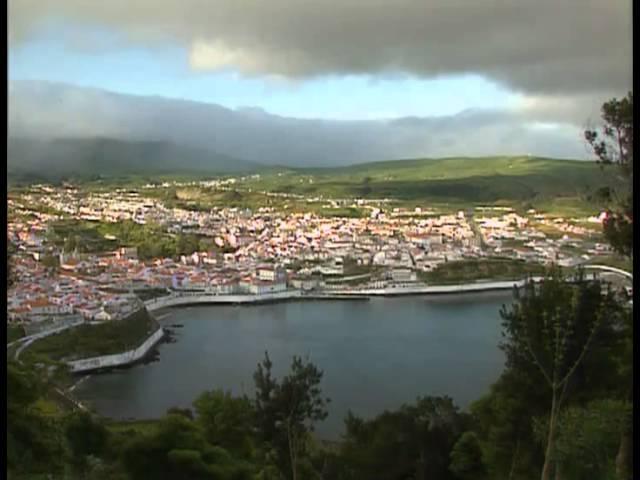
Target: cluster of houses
x,y
516,236
38,296
255,252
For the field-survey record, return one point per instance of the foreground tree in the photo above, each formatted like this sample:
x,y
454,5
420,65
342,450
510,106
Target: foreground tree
x,y
588,438
613,145
624,358
178,449
86,438
227,421
502,422
286,411
414,442
35,441
466,458
552,326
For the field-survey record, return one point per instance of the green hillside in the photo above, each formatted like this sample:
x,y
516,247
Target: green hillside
x,y
455,180
553,185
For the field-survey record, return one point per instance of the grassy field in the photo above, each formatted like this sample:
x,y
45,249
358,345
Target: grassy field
x,y
617,261
483,269
14,332
552,186
93,340
457,180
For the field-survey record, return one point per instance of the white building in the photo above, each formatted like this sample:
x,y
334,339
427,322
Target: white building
x,y
102,315
266,274
403,275
258,287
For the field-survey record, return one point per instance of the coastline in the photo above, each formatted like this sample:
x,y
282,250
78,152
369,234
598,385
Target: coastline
x,y
125,359
180,300
116,360
131,357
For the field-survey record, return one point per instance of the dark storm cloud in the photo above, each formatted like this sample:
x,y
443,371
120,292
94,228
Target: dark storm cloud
x,y
542,47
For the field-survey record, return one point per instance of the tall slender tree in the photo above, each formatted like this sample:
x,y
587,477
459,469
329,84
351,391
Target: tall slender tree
x,y
612,144
286,410
552,325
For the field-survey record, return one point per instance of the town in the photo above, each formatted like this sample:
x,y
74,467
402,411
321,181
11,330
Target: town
x,y
264,251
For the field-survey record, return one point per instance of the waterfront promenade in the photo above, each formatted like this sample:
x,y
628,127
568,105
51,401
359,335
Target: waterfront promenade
x,y
183,299
435,289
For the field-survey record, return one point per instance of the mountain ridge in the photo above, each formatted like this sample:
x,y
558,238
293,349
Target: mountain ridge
x,y
58,158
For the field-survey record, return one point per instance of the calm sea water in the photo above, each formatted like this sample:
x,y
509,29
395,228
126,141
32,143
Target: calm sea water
x,y
375,355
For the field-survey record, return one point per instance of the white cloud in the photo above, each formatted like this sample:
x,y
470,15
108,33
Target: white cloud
x,y
216,55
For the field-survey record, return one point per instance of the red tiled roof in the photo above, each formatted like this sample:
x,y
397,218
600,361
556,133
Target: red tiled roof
x,y
39,302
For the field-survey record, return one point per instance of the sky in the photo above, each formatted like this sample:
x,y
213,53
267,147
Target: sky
x,y
542,68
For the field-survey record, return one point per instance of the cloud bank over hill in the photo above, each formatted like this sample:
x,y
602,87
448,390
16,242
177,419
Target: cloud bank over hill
x,y
46,110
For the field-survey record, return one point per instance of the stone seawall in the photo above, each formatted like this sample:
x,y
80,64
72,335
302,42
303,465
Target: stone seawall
x,y
330,294
435,289
118,359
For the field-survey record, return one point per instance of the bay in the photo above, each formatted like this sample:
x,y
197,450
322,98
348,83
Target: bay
x,y
375,354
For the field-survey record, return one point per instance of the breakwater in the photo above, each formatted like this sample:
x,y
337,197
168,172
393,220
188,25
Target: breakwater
x,y
434,289
118,359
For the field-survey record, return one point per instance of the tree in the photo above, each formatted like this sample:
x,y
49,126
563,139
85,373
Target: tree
x,y
287,410
552,326
438,424
624,358
414,441
86,437
185,412
503,426
380,448
613,145
35,442
366,186
588,437
178,449
50,261
187,244
227,421
466,458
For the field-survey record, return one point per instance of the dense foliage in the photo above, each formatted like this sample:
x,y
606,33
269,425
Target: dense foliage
x,y
151,240
286,410
613,145
460,271
94,340
563,334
